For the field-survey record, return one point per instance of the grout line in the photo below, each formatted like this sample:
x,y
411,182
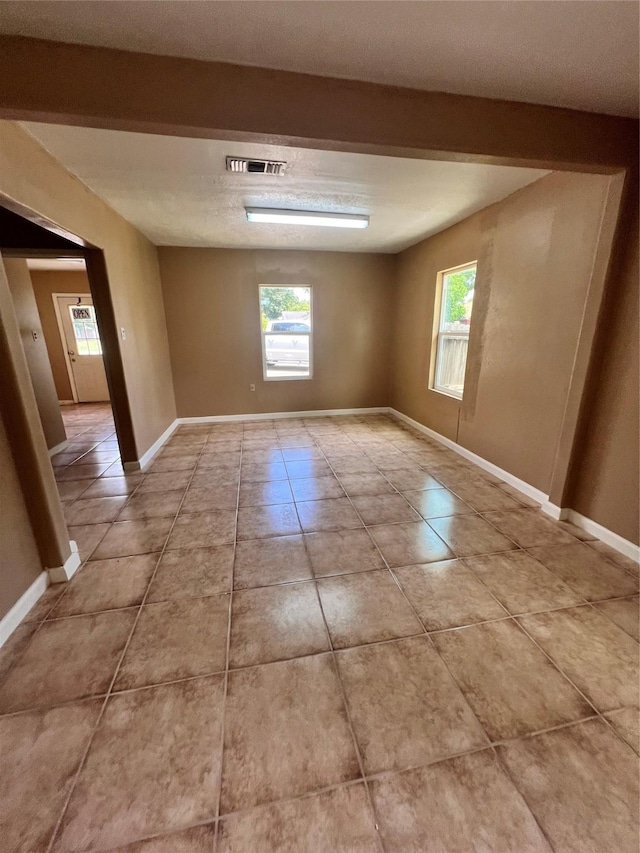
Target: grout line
x,y
227,654
516,788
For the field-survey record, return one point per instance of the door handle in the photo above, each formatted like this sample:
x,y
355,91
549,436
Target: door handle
x,y
70,352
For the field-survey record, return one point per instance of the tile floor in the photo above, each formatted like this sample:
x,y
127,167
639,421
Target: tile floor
x,y
314,635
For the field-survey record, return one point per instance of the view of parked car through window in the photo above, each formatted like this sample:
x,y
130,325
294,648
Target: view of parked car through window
x,y
285,316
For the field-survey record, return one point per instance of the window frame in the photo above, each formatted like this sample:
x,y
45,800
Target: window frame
x,y
438,334
263,334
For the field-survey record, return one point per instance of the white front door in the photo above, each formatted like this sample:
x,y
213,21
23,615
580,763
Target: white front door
x,y
83,347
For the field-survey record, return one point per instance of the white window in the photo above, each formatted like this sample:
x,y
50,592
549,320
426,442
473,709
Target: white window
x,y
285,318
454,301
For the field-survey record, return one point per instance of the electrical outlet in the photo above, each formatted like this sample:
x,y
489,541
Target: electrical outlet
x,y
252,387
123,334
34,335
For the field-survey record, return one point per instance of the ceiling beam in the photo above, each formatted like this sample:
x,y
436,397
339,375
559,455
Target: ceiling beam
x,y
100,87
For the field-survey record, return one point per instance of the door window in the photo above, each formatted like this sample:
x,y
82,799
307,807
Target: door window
x,y
85,330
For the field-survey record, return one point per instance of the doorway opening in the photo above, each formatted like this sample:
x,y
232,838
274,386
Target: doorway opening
x,y
59,292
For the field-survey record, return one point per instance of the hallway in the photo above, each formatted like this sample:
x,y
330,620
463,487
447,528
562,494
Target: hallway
x,y
318,634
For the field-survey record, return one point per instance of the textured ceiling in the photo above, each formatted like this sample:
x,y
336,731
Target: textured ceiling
x,y
178,192
573,53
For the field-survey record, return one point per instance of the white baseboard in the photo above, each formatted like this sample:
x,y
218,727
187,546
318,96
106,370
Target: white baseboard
x,y
23,605
526,489
272,416
629,549
560,513
61,574
58,448
66,402
151,452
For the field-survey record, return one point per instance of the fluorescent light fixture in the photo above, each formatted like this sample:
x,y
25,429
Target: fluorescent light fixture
x,y
306,217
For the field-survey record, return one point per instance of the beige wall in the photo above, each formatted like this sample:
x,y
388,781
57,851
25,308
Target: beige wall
x,y
605,474
33,178
535,255
24,304
211,302
20,562
45,284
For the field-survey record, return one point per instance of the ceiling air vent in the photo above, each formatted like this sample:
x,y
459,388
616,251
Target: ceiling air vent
x,y
258,167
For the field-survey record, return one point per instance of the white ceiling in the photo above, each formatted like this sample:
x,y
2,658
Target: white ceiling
x,y
576,53
177,191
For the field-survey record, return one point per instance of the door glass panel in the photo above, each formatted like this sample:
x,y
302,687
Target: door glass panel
x,y
85,329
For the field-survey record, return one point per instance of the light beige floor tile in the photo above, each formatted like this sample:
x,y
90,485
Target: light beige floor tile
x,y
45,604
126,538
508,681
470,534
464,804
333,514
306,468
265,494
596,655
165,482
586,571
176,639
625,613
616,557
93,510
152,505
41,751
15,646
342,552
153,766
252,472
529,528
436,503
366,484
107,585
286,733
74,488
339,821
626,721
205,498
193,572
484,496
521,583
405,708
67,659
409,544
263,522
365,608
448,595
384,509
111,486
581,783
198,839
203,529
87,537
316,488
411,479
276,622
262,562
